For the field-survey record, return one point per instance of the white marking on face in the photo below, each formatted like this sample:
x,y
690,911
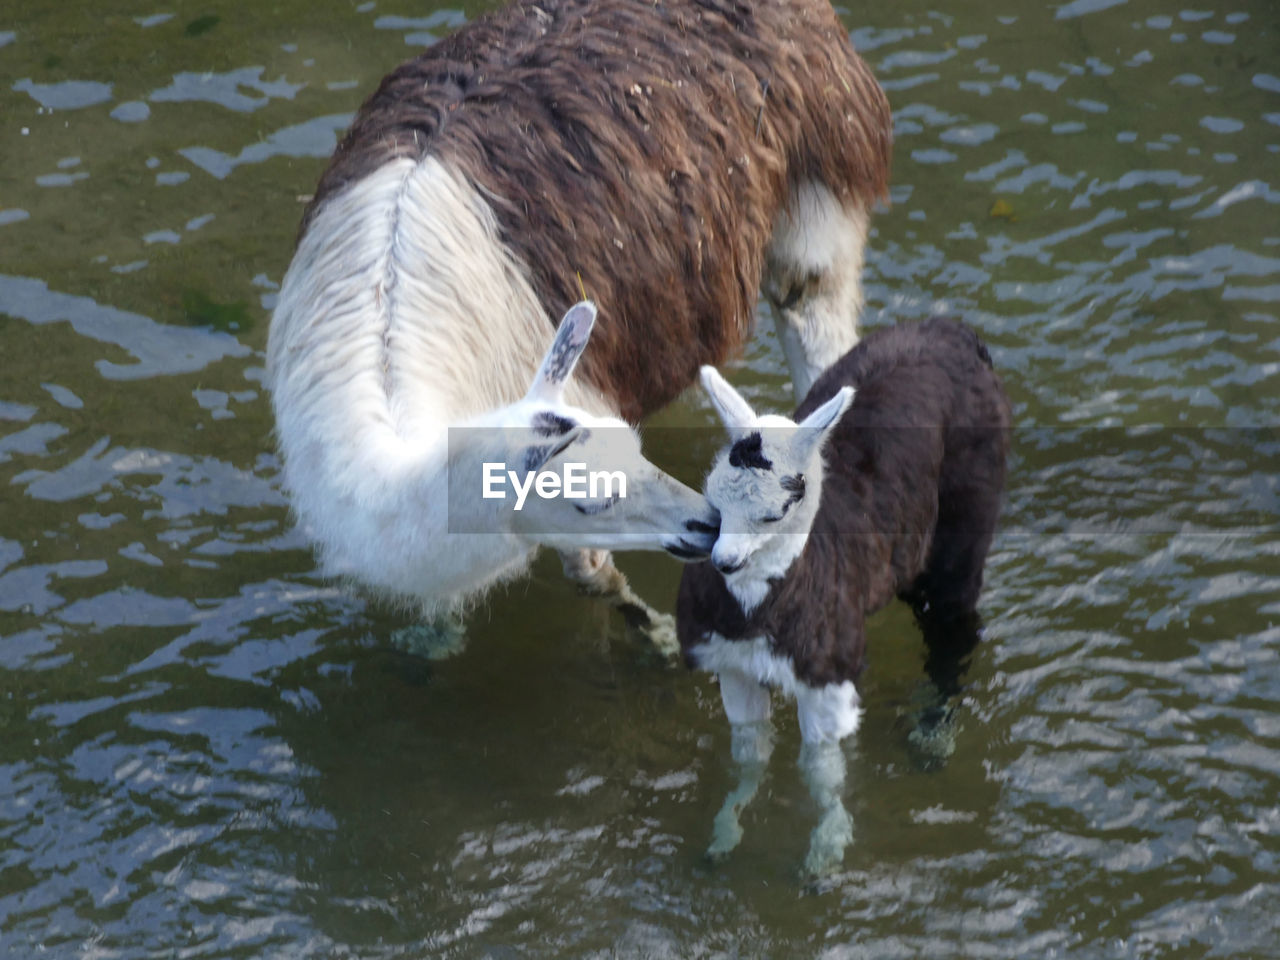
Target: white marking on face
x,y
765,515
766,486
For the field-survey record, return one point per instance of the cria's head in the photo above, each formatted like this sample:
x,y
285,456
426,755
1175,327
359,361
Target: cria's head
x,y
766,483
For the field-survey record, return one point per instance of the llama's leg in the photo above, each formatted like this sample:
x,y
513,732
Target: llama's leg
x,y
827,715
746,704
594,571
814,280
436,638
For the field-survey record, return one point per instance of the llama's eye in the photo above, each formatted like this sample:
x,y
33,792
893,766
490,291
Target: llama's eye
x,y
598,507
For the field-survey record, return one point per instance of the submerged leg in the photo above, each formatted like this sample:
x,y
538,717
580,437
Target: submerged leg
x,y
823,767
752,747
949,644
746,704
439,638
594,572
828,714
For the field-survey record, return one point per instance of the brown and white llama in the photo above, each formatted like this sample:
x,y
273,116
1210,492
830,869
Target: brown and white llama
x,y
888,482
667,157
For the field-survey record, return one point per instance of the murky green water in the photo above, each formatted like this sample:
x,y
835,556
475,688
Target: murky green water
x,y
206,751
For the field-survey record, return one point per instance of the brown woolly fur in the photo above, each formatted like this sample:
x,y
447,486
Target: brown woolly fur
x,y
910,499
646,147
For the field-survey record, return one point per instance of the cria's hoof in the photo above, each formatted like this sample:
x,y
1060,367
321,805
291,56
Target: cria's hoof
x,y
821,865
934,736
726,834
716,855
812,886
827,844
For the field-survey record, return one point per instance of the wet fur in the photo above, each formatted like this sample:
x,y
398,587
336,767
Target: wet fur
x,y
646,150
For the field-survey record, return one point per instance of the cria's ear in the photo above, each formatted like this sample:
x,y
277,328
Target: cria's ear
x,y
538,454
735,413
813,431
571,339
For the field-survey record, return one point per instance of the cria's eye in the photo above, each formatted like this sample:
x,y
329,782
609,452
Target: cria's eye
x,y
775,517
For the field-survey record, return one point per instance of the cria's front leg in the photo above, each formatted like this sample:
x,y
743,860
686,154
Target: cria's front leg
x,y
752,747
823,767
746,704
828,714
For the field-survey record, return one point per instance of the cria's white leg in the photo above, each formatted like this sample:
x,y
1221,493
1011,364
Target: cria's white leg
x,y
815,280
828,714
752,747
823,767
745,700
746,704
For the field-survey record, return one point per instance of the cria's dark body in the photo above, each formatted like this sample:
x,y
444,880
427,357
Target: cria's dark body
x,y
914,475
642,149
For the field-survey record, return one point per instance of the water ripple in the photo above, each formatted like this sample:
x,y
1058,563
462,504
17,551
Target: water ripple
x,y
207,751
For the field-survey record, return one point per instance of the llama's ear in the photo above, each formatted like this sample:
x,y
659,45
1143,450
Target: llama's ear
x,y
735,413
571,339
813,430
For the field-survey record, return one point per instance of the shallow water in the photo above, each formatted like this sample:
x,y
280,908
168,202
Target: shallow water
x,y
208,751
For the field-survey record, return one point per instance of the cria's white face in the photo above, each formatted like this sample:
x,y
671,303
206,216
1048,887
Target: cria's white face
x,y
766,485
761,494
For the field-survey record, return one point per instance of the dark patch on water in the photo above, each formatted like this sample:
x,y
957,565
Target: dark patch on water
x,y
201,25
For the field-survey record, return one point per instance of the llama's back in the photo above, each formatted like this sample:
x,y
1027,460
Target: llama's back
x,y
640,151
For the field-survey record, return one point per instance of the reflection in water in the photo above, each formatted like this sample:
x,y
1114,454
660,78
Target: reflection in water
x,y
208,751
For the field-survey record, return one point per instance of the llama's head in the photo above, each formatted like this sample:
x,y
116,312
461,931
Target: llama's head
x,y
586,482
766,486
